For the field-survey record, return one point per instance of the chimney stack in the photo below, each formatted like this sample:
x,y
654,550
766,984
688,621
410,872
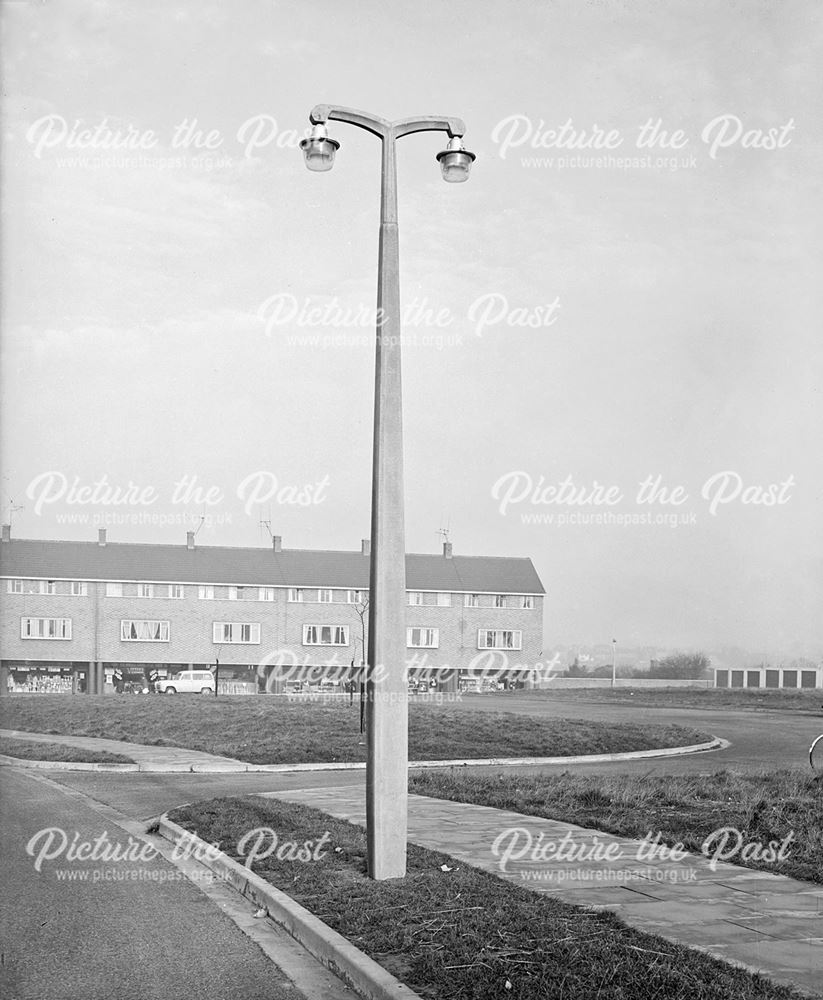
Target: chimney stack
x,y
277,543
6,532
101,536
365,546
189,539
447,549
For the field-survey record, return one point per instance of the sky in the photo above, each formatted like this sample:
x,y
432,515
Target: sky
x,y
626,291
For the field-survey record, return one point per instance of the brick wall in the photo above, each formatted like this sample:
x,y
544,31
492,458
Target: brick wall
x,y
96,628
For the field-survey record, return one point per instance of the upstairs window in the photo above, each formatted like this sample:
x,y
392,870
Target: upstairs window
x,y
132,630
236,632
422,638
325,635
45,628
499,639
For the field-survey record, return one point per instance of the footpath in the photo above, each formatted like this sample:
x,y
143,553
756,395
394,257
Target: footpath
x,y
175,759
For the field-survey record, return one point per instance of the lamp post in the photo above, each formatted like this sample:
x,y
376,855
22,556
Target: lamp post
x,y
614,662
387,689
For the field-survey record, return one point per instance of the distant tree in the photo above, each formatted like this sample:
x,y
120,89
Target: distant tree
x,y
577,669
681,666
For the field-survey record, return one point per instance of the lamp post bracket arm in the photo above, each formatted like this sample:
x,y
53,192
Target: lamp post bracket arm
x,y
429,123
322,113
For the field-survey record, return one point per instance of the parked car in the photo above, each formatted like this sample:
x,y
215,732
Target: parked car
x,y
188,682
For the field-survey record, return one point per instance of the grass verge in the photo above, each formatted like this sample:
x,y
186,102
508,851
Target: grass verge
x,y
711,699
277,731
463,933
28,750
763,807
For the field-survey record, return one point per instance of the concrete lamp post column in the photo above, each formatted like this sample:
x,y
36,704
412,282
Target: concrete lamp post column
x,y
387,688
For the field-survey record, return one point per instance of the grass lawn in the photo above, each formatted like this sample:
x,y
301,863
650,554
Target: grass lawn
x,y
764,807
463,933
28,750
751,700
267,730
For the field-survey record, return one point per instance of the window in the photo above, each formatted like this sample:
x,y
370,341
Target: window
x,y
472,601
499,639
357,596
325,596
444,600
132,630
205,592
265,593
415,598
236,632
79,588
423,638
15,586
145,590
527,602
499,601
45,628
325,635
176,591
114,590
48,587
295,595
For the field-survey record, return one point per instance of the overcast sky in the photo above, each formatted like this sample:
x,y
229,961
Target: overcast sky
x,y
183,300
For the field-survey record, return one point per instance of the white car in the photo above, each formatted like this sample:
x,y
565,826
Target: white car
x,y
188,682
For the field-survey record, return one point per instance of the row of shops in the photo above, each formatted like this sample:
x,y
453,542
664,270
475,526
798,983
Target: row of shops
x,y
21,677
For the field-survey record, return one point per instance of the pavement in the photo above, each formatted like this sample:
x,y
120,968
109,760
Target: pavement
x,y
147,758
768,923
175,759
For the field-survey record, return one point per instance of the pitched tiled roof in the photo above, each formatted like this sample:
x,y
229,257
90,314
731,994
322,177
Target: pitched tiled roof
x,y
31,558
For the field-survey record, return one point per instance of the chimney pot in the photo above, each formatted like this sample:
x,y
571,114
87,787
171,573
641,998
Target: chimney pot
x,y
6,532
101,536
365,546
189,539
447,549
277,543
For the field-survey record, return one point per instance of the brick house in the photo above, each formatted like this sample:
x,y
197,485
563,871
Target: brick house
x,y
79,616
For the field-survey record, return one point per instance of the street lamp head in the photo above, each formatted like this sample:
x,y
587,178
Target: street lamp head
x,y
319,149
455,161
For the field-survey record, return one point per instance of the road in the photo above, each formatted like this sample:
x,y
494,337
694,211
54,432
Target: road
x,y
129,930
767,738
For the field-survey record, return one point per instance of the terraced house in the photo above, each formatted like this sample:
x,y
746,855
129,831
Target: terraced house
x,y
82,616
